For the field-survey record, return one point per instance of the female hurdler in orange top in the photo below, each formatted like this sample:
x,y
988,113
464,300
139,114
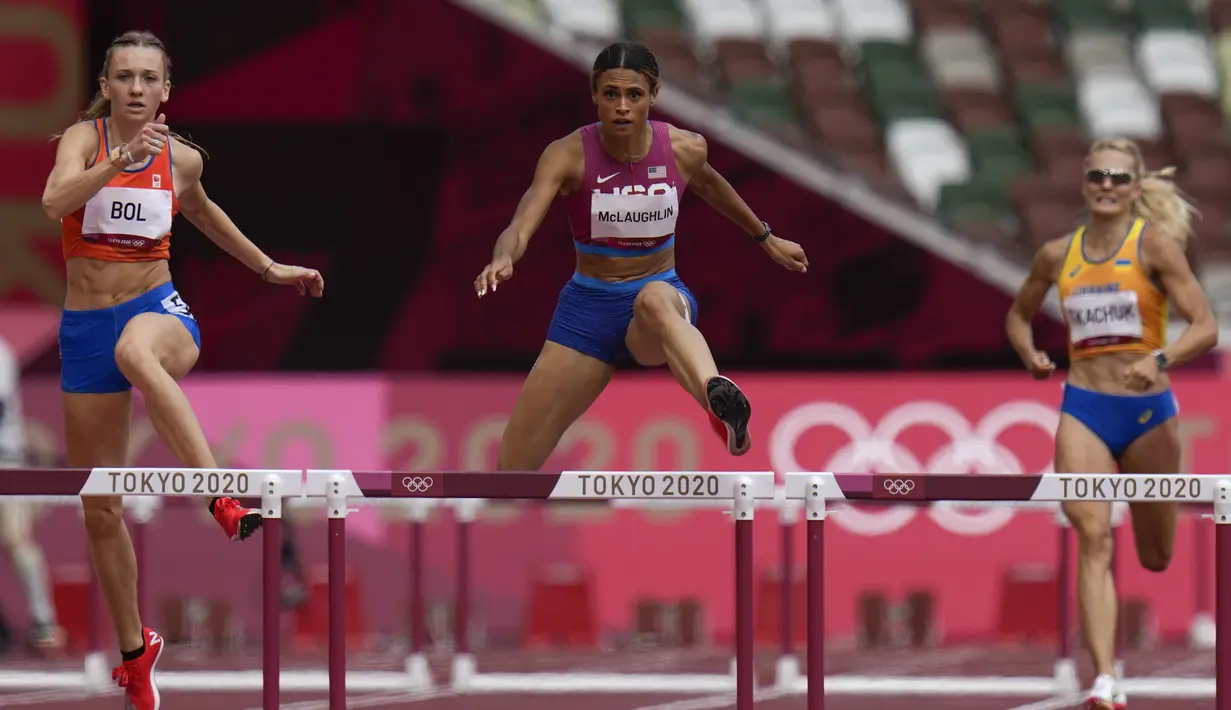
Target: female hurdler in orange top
x,y
120,177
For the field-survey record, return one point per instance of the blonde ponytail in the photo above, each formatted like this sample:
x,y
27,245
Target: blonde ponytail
x,y
1161,203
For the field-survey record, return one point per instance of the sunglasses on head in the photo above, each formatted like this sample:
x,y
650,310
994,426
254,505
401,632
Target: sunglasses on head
x,y
1118,177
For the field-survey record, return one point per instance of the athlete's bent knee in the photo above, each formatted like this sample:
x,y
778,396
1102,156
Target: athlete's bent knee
x,y
1154,559
104,516
135,360
656,302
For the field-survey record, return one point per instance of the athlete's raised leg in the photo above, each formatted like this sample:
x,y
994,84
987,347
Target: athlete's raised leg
x,y
1156,451
1079,450
560,388
661,331
96,428
155,350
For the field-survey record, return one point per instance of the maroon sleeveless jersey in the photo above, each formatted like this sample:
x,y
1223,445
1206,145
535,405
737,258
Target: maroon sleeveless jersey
x,y
626,209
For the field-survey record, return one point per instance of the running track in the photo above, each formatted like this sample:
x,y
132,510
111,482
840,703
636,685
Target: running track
x,y
969,661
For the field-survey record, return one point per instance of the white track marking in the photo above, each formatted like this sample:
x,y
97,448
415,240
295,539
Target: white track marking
x,y
713,702
367,700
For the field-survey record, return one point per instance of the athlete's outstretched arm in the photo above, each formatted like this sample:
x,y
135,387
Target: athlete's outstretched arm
x,y
560,160
1029,299
693,153
1164,256
70,185
214,223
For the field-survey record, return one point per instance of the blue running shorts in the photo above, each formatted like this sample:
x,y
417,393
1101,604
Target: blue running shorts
x,y
592,315
1118,419
88,338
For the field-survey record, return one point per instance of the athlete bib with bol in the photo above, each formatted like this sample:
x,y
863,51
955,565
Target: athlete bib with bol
x,y
127,217
1112,304
130,218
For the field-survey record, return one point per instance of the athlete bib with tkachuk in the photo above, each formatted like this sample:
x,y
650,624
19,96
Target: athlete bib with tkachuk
x,y
1111,305
626,209
129,219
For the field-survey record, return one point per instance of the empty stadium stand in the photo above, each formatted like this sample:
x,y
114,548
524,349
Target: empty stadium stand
x,y
979,111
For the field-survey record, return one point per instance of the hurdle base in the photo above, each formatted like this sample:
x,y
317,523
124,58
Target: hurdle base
x,y
418,671
1064,676
1004,686
1203,632
463,672
201,681
786,672
97,671
580,682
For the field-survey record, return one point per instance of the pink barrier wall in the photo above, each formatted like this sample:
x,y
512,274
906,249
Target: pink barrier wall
x,y
992,423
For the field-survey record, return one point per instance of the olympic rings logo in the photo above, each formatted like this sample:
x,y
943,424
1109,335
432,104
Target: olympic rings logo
x,y
417,484
875,449
899,486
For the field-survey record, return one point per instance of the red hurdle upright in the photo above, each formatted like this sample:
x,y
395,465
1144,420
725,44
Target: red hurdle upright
x,y
920,488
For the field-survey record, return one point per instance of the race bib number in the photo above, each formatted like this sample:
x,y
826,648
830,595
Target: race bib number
x,y
634,216
1097,319
174,305
131,217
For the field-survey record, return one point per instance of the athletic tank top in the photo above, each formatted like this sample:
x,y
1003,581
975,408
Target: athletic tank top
x,y
1111,305
130,218
626,209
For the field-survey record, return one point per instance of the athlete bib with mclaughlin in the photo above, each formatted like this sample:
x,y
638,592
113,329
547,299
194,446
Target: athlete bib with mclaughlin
x,y
634,215
1097,319
127,217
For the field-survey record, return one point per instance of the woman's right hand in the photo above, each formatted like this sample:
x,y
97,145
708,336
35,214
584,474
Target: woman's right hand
x,y
152,140
501,269
1040,365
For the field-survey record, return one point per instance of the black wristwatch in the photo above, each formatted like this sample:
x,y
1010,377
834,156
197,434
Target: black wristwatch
x,y
1161,359
763,235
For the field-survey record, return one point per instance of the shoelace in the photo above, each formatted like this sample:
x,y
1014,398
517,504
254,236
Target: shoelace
x,y
123,678
120,675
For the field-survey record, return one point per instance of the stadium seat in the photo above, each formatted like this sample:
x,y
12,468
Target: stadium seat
x,y
897,85
977,209
874,20
588,18
1222,58
1119,106
959,58
1193,122
716,20
975,109
926,154
766,104
641,15
528,11
1164,15
789,21
1019,29
1040,105
1075,16
1098,54
1177,61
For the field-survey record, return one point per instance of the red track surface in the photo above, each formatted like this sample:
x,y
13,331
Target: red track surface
x,y
963,661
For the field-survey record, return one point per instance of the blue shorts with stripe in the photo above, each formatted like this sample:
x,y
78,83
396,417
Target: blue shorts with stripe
x,y
88,340
592,315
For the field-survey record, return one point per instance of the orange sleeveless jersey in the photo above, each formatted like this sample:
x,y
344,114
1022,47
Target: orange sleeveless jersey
x,y
1111,305
130,218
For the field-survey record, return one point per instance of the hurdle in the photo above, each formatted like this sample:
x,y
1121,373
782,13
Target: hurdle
x,y
818,489
737,490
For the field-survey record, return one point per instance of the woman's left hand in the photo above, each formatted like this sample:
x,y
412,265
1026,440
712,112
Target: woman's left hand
x,y
787,253
306,281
